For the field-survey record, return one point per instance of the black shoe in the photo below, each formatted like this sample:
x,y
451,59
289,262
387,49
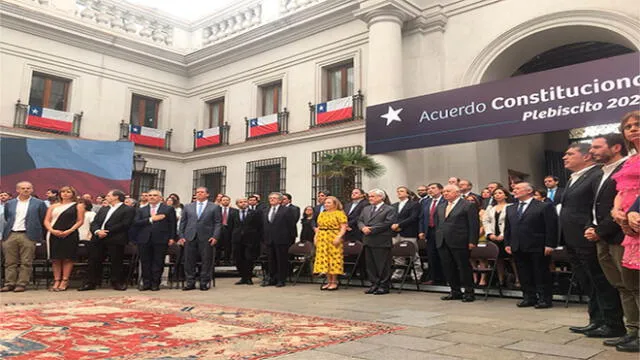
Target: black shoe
x,y
145,288
583,329
240,282
249,282
371,290
452,296
268,283
631,346
468,298
87,287
204,287
155,287
280,284
189,287
381,291
606,331
544,305
526,303
119,287
621,340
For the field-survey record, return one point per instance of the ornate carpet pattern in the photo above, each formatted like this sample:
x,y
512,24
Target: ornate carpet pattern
x,y
148,328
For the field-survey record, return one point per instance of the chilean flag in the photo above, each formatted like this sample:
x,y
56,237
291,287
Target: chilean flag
x,y
147,136
50,119
208,137
263,125
334,110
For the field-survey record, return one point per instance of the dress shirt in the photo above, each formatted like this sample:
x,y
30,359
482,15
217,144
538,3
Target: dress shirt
x,y
353,206
401,205
153,210
112,209
225,215
551,193
607,170
376,207
576,175
526,204
272,212
451,205
200,206
21,215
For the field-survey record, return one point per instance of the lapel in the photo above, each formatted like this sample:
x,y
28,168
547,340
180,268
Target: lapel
x,y
579,181
456,209
609,179
532,204
204,210
115,213
376,213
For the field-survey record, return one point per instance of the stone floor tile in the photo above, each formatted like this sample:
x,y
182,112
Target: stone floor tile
x,y
313,355
578,352
412,313
465,319
477,339
421,332
588,342
488,328
403,354
545,337
414,321
351,348
612,354
529,325
406,342
475,352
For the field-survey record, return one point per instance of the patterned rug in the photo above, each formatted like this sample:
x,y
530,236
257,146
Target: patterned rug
x,y
148,328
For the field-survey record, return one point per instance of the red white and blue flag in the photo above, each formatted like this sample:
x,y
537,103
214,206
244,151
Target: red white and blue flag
x,y
50,119
143,135
208,137
334,110
263,125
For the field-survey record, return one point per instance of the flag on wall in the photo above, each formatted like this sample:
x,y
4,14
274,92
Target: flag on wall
x,y
263,125
208,137
50,119
143,135
93,167
334,110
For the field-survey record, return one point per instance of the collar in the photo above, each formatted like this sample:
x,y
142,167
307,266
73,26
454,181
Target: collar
x,y
579,173
455,202
115,206
526,202
404,201
553,188
437,200
610,167
29,199
201,202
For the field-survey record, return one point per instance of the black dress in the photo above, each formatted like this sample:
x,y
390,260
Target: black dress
x,y
307,232
65,248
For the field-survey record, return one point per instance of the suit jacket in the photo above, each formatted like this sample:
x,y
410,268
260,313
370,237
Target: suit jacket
x,y
33,221
158,232
557,197
408,218
607,229
577,204
296,216
282,231
316,212
460,228
489,220
249,231
425,214
380,223
352,220
226,230
209,225
118,224
535,230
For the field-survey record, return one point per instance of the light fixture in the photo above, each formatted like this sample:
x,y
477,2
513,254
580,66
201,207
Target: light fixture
x,y
139,163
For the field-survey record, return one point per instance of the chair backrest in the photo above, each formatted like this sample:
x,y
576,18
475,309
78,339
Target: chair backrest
x,y
130,250
83,250
487,251
174,251
304,248
352,248
422,244
403,248
560,255
41,251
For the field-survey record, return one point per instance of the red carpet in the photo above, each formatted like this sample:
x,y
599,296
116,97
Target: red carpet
x,y
148,328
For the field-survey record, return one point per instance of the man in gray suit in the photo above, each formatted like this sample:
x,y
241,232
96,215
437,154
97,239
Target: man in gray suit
x,y
200,228
375,223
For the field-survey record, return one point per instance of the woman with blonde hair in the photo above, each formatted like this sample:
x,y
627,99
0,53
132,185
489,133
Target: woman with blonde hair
x,y
332,225
62,222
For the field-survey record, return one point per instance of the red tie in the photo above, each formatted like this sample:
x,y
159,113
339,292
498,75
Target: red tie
x,y
153,210
432,213
224,216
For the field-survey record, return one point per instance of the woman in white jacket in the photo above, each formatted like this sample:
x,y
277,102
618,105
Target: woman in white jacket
x,y
493,222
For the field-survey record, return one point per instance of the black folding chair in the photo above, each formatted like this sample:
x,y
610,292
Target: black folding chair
x,y
561,256
353,258
407,250
41,262
489,253
301,254
173,263
422,256
131,260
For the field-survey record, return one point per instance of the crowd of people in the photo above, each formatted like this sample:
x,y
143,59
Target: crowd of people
x,y
596,218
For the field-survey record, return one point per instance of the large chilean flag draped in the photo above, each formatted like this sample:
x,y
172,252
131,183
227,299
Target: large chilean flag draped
x,y
92,167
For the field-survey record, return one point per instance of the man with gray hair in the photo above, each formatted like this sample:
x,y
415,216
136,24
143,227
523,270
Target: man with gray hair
x,y
279,234
375,223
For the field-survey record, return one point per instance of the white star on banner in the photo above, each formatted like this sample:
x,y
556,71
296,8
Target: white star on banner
x,y
392,115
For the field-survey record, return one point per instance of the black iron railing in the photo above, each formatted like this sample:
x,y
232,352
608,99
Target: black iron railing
x,y
21,115
125,130
356,114
283,126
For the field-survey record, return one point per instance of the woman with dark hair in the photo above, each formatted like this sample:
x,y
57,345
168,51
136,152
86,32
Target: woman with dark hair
x,y
541,195
308,225
493,222
173,200
84,231
483,277
62,222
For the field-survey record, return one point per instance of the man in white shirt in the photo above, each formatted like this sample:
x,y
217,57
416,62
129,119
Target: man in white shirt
x,y
24,216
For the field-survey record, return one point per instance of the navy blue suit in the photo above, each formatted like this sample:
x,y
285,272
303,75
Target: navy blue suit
x,y
436,273
153,240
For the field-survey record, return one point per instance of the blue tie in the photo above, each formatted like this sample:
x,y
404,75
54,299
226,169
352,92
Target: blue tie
x,y
520,209
552,193
199,209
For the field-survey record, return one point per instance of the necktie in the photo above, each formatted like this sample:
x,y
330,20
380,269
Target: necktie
x,y
272,214
432,213
224,216
242,215
448,209
373,210
153,210
520,209
199,209
551,194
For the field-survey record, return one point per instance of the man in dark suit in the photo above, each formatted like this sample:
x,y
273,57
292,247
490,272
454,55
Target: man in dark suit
x,y
353,210
200,228
375,224
465,189
279,229
575,213
110,229
247,230
156,227
457,232
530,235
554,192
406,228
224,245
427,230
22,230
295,211
321,196
610,151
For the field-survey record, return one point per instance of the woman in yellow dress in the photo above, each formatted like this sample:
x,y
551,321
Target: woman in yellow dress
x,y
332,224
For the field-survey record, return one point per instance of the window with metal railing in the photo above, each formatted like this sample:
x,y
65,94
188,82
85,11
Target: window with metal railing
x,y
213,178
146,180
266,176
